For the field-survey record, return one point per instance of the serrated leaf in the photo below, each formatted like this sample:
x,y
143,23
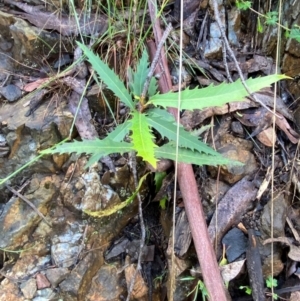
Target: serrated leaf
x,y
142,138
95,147
119,133
139,77
93,159
168,151
213,95
157,112
158,179
152,90
108,76
169,129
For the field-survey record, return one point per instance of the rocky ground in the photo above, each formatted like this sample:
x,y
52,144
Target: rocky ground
x,y
52,250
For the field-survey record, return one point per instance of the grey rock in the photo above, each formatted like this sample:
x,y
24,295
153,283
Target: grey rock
x,y
11,93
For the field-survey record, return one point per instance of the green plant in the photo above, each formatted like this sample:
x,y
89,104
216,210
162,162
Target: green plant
x,y
198,287
146,115
247,289
136,134
271,18
272,283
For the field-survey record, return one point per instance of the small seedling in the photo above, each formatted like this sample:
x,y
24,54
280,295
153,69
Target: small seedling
x,y
271,283
148,112
198,287
247,289
271,18
243,5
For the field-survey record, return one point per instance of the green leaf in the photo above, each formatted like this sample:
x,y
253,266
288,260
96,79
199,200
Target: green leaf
x,y
119,133
169,129
158,180
247,289
295,34
157,112
243,5
260,28
271,18
142,138
168,151
152,90
109,77
213,95
271,282
139,77
162,203
95,147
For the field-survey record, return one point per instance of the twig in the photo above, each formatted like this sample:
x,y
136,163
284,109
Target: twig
x,y
225,63
255,268
143,230
155,60
231,53
28,203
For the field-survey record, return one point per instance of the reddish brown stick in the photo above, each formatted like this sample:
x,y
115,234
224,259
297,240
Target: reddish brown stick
x,y
188,187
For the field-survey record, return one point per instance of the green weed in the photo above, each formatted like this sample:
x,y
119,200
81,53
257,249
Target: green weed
x,y
146,115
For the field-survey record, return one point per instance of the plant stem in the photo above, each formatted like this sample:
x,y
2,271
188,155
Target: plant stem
x,y
154,62
189,190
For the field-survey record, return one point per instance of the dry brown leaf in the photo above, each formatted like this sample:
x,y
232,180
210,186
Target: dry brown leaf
x,y
294,253
284,125
266,137
232,270
264,185
34,85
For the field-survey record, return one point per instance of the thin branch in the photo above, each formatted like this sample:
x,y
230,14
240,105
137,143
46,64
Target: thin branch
x,y
155,60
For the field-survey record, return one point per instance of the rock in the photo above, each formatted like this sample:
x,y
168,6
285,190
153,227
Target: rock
x,y
235,243
66,245
279,217
97,196
47,294
9,291
41,281
213,46
11,93
236,149
237,128
234,25
28,265
79,281
18,219
29,288
57,275
106,285
212,192
140,288
26,135
280,206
